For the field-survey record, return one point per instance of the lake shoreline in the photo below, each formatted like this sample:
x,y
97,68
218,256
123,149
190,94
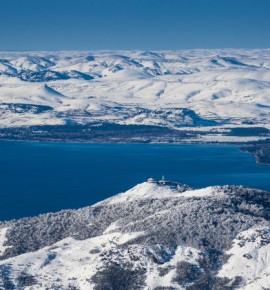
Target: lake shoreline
x,y
115,133
244,146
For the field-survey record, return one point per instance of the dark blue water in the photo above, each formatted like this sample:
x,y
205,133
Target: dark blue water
x,y
42,177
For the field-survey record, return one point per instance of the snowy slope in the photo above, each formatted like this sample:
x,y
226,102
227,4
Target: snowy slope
x,y
249,258
166,88
154,236
157,190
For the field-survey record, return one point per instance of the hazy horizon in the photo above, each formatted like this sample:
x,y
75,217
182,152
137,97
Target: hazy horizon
x,y
32,25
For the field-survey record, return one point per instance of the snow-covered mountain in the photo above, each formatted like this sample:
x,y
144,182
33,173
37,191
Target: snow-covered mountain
x,y
157,235
175,89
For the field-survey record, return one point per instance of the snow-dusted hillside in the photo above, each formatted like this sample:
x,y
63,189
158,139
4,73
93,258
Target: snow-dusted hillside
x,y
154,236
175,89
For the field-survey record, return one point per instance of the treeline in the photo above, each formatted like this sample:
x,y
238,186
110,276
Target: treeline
x,y
260,151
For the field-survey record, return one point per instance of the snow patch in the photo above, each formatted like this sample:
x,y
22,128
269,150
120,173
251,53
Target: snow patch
x,y
250,259
3,239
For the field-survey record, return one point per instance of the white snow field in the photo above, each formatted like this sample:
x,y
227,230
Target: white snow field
x,y
174,89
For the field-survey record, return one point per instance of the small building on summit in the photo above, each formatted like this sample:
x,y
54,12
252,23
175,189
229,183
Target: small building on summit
x,y
151,180
160,182
172,184
163,181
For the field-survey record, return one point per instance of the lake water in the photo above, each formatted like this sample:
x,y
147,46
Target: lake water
x,y
42,177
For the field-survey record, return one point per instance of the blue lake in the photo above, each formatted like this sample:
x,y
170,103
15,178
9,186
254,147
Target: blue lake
x,y
42,177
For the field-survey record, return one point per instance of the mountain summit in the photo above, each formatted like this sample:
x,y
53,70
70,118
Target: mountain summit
x,y
157,235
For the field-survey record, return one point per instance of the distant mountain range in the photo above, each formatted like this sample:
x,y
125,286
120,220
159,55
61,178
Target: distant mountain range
x,y
213,91
157,235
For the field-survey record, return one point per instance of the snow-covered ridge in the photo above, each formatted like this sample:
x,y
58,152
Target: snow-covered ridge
x,y
160,190
158,234
198,88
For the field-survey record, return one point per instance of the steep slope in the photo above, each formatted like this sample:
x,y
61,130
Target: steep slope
x,y
158,235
